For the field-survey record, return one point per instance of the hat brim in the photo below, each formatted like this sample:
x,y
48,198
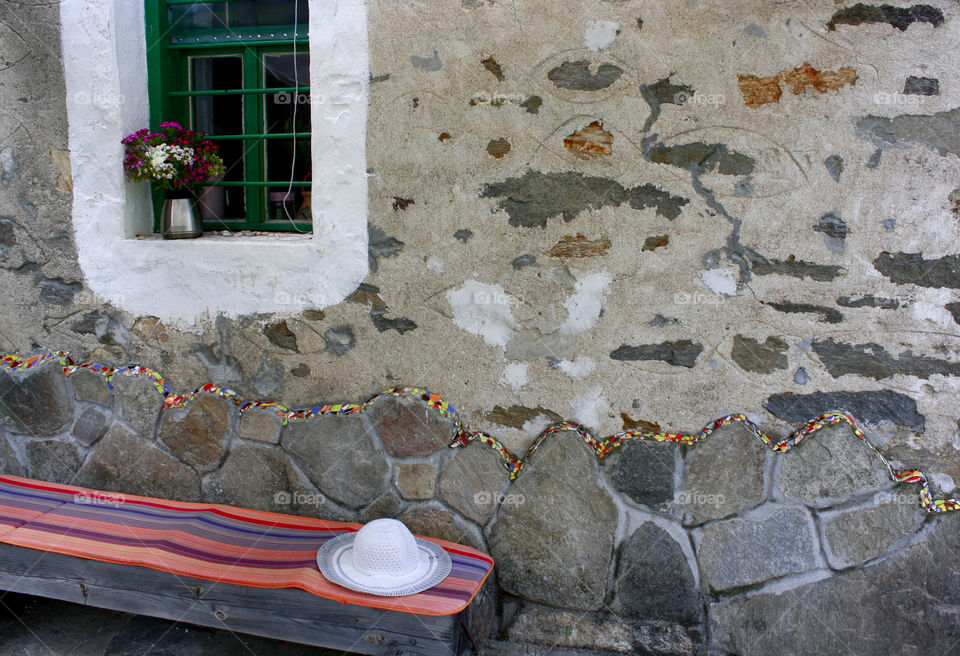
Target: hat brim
x,y
335,559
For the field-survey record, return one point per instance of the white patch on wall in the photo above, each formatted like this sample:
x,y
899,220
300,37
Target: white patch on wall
x,y
435,264
515,375
590,407
533,427
483,310
943,481
582,366
584,305
600,34
720,281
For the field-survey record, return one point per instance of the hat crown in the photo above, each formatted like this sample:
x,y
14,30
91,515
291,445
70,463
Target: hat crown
x,y
385,546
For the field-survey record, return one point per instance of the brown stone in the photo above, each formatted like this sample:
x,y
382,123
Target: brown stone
x,y
498,148
654,242
517,415
806,76
416,480
259,426
408,429
759,91
123,462
88,386
198,435
591,142
579,246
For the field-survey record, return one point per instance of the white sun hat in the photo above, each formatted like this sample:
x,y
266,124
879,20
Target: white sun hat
x,y
383,558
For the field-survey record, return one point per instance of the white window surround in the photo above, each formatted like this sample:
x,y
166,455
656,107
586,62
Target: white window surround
x,y
187,281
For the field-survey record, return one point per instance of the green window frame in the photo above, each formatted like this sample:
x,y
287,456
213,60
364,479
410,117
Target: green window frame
x,y
171,98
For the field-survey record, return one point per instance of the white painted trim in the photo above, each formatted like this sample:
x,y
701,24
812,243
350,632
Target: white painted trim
x,y
186,281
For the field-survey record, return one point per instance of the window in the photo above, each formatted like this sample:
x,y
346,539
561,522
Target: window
x,y
239,70
185,281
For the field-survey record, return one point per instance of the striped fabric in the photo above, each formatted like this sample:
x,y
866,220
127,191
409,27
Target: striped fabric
x,y
213,542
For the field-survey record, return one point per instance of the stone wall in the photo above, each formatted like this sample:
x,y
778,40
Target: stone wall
x,y
628,214
653,549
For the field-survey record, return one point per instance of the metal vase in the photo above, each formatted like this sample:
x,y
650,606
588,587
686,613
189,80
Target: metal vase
x,y
181,220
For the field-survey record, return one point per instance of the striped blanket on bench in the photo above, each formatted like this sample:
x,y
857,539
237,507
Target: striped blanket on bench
x,y
207,541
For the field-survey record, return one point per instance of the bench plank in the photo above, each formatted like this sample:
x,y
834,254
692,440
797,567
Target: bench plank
x,y
281,613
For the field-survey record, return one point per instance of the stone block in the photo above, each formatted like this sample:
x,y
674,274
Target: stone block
x,y
739,552
126,463
37,404
725,475
410,429
472,480
553,545
338,455
416,480
197,434
829,466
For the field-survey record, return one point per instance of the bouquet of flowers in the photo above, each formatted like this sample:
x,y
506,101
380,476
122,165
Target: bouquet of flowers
x,y
175,159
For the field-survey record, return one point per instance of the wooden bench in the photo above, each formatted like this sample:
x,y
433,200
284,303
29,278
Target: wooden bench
x,y
285,613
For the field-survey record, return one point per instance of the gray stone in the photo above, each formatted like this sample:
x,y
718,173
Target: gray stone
x,y
90,426
410,429
725,475
442,524
251,477
906,604
654,580
643,471
52,460
588,634
472,480
123,462
876,406
197,434
338,455
259,426
416,480
138,403
741,552
387,505
554,541
564,628
852,537
9,464
828,466
39,404
91,387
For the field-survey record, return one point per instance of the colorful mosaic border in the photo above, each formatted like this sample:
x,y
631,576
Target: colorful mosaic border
x,y
461,436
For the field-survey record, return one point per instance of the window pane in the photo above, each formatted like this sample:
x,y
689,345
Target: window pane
x,y
199,22
222,114
285,113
